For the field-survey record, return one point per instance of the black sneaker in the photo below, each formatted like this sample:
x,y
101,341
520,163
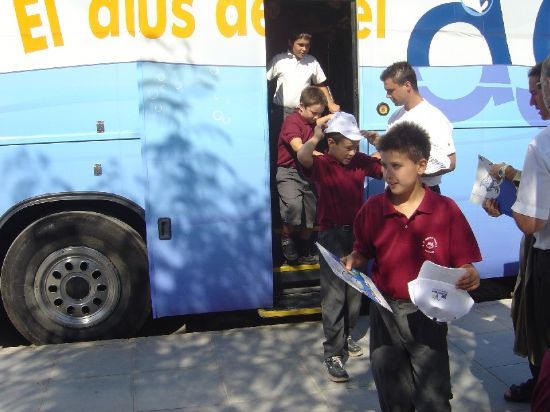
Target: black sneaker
x,y
289,249
308,259
335,369
354,349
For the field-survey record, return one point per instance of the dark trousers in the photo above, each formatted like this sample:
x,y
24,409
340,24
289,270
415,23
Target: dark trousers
x,y
409,359
340,303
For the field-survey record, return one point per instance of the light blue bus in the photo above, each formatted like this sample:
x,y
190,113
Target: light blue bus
x,y
134,143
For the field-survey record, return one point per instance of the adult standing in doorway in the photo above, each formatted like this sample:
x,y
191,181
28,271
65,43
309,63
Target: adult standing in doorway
x,y
401,87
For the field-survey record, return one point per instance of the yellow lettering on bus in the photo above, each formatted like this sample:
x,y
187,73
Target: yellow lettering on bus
x,y
130,17
256,16
156,31
381,19
184,15
112,27
239,26
26,23
54,23
364,15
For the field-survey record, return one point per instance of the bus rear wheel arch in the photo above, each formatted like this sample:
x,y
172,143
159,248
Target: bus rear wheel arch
x,y
74,276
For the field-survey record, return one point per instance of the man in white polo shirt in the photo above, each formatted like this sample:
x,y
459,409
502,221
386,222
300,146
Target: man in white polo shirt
x,y
401,87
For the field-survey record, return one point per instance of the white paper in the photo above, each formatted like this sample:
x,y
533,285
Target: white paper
x,y
485,186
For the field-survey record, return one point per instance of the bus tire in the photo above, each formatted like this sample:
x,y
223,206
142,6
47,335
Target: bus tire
x,y
75,276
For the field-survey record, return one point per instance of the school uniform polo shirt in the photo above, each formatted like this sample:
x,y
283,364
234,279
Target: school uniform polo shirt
x,y
293,126
293,75
340,187
436,231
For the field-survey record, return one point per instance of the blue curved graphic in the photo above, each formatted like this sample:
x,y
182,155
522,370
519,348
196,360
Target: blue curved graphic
x,y
490,25
541,35
497,87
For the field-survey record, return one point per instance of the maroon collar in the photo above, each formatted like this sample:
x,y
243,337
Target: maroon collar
x,y
425,206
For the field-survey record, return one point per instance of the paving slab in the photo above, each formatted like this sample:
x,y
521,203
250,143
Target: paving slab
x,y
103,393
178,388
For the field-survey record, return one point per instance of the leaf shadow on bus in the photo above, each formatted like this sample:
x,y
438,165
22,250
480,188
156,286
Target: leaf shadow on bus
x,y
209,175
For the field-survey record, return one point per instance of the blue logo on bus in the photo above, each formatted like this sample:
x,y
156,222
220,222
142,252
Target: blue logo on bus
x,y
477,7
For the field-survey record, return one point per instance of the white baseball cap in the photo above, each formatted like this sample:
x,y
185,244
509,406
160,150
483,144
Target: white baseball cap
x,y
345,124
440,301
435,293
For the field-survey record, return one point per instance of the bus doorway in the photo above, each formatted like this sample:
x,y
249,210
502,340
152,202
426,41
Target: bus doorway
x,y
332,24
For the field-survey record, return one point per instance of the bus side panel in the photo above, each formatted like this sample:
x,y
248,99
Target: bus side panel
x,y
206,153
33,170
490,112
45,106
49,142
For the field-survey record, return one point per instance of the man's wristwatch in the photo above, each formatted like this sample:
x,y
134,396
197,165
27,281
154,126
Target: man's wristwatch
x,y
502,171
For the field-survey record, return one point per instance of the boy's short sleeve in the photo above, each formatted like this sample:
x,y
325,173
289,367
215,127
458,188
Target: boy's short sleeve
x,y
371,166
364,227
272,71
318,75
316,172
294,127
463,247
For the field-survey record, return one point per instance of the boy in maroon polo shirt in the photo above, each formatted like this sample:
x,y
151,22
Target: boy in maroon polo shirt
x,y
400,229
296,196
339,177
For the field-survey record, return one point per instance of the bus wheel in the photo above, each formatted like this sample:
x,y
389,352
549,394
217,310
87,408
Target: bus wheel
x,y
75,276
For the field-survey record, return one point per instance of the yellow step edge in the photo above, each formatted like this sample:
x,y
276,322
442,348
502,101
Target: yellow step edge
x,y
278,230
281,313
291,268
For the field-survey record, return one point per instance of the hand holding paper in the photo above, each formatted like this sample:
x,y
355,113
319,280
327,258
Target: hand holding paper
x,y
354,278
488,187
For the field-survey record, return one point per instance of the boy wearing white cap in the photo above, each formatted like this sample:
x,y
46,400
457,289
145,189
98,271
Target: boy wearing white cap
x,y
339,177
400,229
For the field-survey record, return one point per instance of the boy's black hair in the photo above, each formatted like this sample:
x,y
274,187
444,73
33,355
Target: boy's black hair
x,y
336,136
407,138
400,73
312,95
293,36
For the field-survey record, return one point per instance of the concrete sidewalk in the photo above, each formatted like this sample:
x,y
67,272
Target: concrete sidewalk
x,y
266,368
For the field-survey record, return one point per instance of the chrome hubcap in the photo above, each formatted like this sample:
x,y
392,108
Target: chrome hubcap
x,y
77,287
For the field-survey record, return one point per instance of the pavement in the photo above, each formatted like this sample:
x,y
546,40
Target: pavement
x,y
264,368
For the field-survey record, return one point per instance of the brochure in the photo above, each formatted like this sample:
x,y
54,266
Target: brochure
x,y
487,187
354,278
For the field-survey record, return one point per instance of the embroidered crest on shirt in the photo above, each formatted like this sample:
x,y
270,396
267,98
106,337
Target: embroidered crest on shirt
x,y
429,244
